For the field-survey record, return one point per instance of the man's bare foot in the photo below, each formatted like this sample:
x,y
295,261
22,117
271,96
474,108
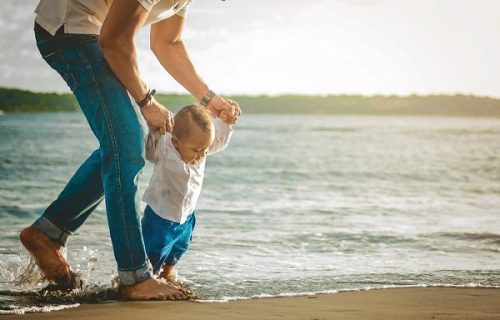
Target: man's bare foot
x,y
152,289
48,257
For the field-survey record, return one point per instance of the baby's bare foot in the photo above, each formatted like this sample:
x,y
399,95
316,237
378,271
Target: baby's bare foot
x,y
152,289
169,273
48,257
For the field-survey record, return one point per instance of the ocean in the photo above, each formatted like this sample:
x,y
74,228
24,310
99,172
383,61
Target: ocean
x,y
297,204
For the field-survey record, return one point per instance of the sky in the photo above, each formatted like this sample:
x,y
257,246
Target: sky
x,y
320,47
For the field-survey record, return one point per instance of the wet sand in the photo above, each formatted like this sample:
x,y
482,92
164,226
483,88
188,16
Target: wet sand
x,y
401,303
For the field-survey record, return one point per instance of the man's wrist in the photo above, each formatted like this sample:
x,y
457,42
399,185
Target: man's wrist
x,y
144,101
207,97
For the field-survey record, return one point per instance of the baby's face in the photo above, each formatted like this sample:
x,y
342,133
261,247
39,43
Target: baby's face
x,y
194,147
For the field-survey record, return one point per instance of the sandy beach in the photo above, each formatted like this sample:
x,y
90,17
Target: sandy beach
x,y
401,303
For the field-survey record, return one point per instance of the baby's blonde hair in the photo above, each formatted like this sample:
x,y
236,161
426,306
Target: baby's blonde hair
x,y
189,115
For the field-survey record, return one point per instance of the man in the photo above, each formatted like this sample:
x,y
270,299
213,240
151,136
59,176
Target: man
x,y
90,43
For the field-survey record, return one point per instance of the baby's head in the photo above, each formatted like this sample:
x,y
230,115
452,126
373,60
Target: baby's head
x,y
193,133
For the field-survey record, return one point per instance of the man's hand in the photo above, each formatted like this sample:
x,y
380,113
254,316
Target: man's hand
x,y
231,115
228,110
216,105
158,117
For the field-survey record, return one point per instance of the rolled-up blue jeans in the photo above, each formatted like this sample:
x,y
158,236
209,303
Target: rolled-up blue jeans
x,y
110,172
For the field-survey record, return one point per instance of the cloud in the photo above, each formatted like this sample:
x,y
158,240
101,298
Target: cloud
x,y
21,64
317,46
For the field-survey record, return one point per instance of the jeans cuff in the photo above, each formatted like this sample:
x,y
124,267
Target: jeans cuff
x,y
131,277
52,231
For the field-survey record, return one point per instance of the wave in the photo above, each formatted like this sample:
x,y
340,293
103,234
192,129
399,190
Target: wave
x,y
380,286
491,238
23,310
329,129
467,132
18,212
376,237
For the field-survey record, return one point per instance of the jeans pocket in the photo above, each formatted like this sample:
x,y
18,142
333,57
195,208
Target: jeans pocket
x,y
55,59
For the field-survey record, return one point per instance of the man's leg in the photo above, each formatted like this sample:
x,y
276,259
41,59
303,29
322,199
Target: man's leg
x,y
78,199
49,232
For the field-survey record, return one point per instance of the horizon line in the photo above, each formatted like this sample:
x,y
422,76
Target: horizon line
x,y
284,94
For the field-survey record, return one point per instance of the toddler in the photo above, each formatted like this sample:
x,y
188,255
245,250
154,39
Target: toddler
x,y
174,188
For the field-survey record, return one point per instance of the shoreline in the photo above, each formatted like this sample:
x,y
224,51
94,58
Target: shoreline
x,y
392,303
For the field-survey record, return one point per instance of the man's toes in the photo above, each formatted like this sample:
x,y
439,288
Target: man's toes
x,y
167,296
180,296
171,294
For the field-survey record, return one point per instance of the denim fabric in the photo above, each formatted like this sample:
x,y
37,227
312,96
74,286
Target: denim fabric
x,y
110,172
166,241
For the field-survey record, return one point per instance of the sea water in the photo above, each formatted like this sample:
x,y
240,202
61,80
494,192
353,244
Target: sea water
x,y
297,204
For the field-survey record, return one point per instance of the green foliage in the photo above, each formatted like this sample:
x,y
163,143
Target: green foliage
x,y
14,100
175,101
457,105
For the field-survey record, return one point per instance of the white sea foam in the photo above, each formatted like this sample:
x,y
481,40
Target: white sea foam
x,y
307,294
22,310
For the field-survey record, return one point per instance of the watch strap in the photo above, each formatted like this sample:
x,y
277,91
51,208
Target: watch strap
x,y
207,97
147,98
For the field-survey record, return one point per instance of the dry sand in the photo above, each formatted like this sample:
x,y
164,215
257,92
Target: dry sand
x,y
401,303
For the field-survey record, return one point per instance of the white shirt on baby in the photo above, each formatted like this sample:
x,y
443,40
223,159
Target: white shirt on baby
x,y
175,186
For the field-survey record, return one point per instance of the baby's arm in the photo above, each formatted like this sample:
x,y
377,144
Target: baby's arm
x,y
223,133
154,145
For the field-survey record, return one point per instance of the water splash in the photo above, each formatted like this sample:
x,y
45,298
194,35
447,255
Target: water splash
x,y
30,277
30,292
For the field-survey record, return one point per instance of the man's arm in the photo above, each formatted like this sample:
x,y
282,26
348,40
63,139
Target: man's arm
x,y
166,43
123,21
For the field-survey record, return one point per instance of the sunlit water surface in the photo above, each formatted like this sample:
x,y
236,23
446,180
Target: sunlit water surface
x,y
296,204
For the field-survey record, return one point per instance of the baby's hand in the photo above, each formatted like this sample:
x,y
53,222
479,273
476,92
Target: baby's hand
x,y
231,115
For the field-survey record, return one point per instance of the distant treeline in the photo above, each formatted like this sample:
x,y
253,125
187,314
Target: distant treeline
x,y
15,100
